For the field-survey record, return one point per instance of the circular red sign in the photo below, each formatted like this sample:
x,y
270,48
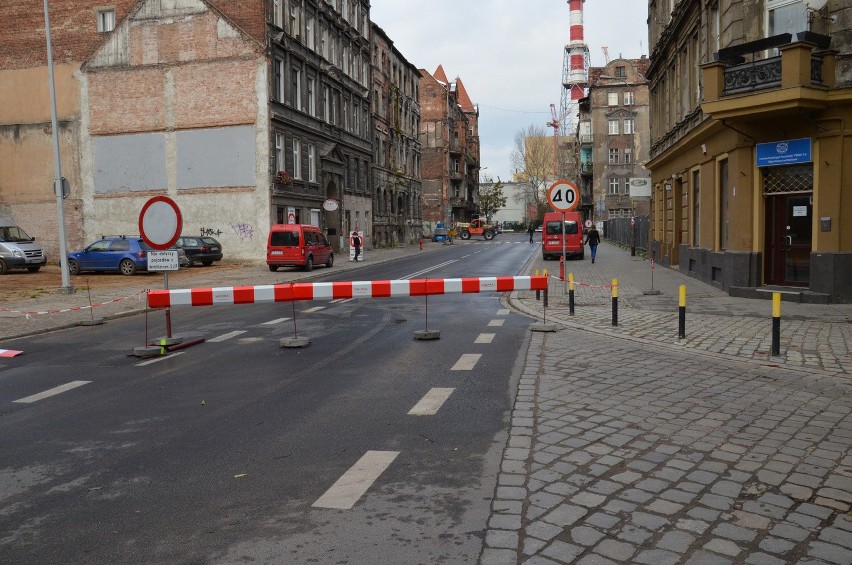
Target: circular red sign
x,y
160,222
563,196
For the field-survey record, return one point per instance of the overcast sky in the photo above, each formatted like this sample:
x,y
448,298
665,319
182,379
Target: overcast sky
x,y
508,53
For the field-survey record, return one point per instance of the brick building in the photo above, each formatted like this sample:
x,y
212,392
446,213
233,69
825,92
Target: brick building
x,y
205,101
449,137
396,148
613,133
752,180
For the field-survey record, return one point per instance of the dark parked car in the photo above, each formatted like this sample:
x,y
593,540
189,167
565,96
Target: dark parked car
x,y
123,254
202,250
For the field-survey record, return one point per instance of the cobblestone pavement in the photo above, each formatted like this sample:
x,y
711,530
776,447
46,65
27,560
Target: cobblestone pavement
x,y
620,452
628,445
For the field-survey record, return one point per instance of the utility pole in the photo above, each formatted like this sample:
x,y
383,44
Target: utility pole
x,y
66,287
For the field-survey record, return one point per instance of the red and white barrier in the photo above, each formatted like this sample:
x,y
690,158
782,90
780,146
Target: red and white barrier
x,y
338,290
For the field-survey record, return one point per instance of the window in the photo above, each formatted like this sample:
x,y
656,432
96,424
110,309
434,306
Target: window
x,y
297,159
312,163
296,88
278,13
324,43
713,32
785,16
628,98
106,20
309,32
613,156
326,103
723,204
612,98
614,185
278,87
696,216
295,20
613,127
629,125
312,99
279,153
628,155
620,72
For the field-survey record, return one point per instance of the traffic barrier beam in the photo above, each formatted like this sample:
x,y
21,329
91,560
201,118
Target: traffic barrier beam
x,y
290,292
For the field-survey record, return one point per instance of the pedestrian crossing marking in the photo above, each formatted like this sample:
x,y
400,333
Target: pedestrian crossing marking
x,y
466,362
503,312
51,392
496,323
350,487
431,402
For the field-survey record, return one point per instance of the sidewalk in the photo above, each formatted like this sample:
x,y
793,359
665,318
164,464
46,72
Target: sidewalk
x,y
813,336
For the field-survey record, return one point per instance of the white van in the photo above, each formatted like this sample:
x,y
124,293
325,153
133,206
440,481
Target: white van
x,y
18,250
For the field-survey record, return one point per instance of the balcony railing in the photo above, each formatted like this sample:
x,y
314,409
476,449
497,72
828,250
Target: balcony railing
x,y
586,138
756,75
587,168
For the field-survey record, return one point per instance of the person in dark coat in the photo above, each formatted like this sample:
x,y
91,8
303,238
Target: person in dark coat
x,y
531,231
356,241
593,238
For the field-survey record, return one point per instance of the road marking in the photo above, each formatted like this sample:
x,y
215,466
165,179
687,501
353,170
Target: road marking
x,y
314,309
341,300
438,266
432,402
223,337
466,362
495,323
273,322
54,391
503,312
158,359
354,483
485,338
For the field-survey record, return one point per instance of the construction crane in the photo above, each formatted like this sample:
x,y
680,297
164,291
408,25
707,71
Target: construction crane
x,y
554,123
605,50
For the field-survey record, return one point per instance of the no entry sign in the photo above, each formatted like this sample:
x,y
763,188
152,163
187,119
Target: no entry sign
x,y
160,222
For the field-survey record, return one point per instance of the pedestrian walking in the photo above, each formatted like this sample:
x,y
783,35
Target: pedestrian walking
x,y
593,238
356,242
531,231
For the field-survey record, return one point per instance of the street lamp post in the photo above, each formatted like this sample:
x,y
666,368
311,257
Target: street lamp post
x,y
66,287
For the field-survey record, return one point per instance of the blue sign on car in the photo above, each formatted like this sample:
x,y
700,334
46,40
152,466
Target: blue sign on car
x,y
786,152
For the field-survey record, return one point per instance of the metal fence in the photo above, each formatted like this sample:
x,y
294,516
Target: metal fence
x,y
620,231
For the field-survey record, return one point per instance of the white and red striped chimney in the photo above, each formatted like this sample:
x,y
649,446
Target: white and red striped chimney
x,y
577,48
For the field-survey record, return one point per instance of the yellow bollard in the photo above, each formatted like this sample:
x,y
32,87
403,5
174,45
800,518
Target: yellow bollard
x,y
571,294
776,324
681,312
614,302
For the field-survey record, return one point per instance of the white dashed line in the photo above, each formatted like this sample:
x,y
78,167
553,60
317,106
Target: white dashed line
x,y
503,312
273,322
158,359
354,483
432,402
466,362
341,300
314,309
54,391
485,338
496,323
223,337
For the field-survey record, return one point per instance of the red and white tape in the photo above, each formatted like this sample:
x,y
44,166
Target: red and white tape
x,y
72,309
339,290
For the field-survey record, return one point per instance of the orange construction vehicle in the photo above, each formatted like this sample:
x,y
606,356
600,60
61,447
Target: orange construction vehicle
x,y
476,227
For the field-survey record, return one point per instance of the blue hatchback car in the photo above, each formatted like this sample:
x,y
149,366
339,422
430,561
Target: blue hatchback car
x,y
125,255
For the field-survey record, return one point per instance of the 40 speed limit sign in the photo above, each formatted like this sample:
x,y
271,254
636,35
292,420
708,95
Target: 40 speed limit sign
x,y
563,196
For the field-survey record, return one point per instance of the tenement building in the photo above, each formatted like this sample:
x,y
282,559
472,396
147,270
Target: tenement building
x,y
750,143
613,135
449,138
396,148
245,113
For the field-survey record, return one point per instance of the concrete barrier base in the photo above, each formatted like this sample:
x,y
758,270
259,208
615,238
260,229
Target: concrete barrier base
x,y
542,328
427,335
92,322
295,342
148,351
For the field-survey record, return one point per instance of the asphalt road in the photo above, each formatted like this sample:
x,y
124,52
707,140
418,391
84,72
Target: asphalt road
x,y
238,450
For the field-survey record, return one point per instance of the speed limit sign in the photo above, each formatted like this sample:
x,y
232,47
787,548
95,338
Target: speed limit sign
x,y
563,196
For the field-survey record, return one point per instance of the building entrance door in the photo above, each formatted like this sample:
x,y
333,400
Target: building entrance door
x,y
789,228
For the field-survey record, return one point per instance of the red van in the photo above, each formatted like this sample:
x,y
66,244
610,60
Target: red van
x,y
551,235
299,245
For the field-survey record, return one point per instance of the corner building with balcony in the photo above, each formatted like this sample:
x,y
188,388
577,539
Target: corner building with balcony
x,y
396,147
449,139
751,146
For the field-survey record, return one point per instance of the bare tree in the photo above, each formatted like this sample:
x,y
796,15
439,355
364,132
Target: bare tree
x,y
532,159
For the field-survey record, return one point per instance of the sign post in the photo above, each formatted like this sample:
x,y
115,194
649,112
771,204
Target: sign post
x,y
160,224
563,196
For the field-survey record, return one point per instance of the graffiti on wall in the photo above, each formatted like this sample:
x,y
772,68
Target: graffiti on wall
x,y
210,232
243,231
